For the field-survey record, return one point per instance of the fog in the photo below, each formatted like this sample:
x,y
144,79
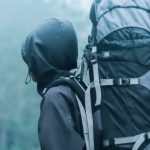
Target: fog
x,y
20,104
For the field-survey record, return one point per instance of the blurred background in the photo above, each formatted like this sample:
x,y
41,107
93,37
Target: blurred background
x,y
20,104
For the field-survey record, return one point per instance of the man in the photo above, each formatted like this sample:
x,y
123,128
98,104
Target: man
x,y
50,52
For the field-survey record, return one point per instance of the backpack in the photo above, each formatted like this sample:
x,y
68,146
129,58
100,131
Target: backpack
x,y
117,62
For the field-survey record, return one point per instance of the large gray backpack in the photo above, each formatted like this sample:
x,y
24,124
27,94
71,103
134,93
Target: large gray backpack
x,y
117,61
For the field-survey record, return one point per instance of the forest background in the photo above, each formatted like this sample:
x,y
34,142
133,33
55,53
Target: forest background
x,y
20,104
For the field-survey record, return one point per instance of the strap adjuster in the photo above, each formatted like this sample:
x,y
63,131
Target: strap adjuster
x,y
112,142
90,57
122,81
93,61
146,136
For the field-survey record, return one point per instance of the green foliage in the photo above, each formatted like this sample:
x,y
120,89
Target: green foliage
x,y
20,104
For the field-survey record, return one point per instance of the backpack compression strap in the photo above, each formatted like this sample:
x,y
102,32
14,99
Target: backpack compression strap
x,y
92,66
87,117
137,140
93,92
144,81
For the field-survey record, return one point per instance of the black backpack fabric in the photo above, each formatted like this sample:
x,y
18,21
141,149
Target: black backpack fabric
x,y
119,71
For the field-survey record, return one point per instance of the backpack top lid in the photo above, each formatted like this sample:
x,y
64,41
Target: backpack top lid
x,y
111,15
107,5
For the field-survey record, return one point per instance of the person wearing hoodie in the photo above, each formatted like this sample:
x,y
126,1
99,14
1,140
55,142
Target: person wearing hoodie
x,y
50,52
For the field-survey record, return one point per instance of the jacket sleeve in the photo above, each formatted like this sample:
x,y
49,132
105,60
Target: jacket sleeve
x,y
56,126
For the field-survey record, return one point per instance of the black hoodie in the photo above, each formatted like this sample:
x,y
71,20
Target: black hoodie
x,y
50,51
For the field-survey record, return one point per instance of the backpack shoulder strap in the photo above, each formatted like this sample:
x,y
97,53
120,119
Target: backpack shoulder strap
x,y
73,83
80,90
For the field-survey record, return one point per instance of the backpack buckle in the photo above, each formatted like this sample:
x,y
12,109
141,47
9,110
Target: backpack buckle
x,y
122,81
93,61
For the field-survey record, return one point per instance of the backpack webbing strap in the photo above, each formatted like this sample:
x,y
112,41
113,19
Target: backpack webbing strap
x,y
84,70
137,140
83,100
94,77
92,93
142,138
96,82
88,109
84,123
87,118
72,83
120,81
144,81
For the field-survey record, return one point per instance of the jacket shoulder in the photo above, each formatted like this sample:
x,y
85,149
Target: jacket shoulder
x,y
60,89
60,94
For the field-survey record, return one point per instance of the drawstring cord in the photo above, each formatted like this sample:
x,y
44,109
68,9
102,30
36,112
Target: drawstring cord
x,y
28,78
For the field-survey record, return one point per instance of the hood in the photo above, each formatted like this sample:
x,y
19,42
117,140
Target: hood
x,y
51,49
